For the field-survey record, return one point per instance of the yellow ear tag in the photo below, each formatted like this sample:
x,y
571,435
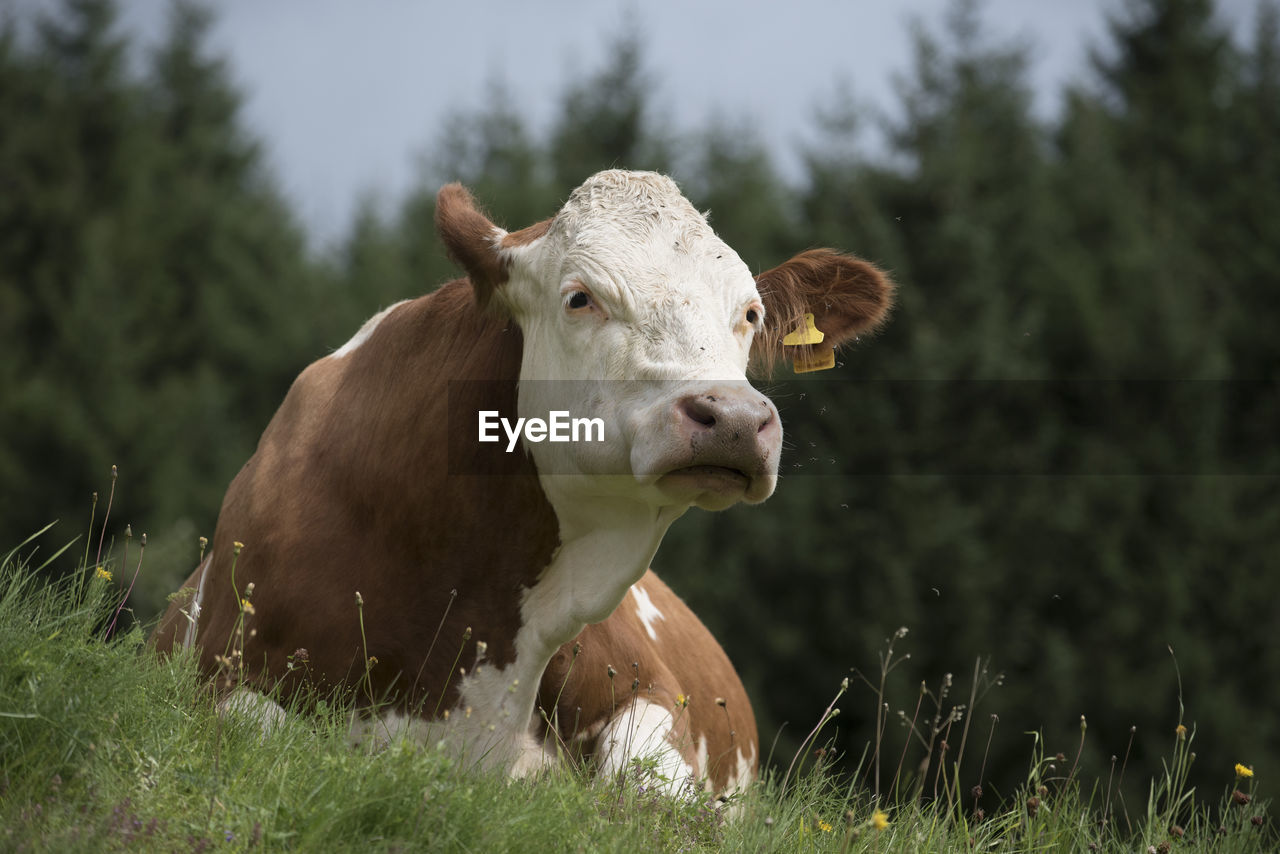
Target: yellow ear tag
x,y
812,357
808,333
819,359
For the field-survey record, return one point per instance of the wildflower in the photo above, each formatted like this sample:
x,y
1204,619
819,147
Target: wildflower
x,y
237,546
1239,798
246,606
1181,732
824,826
682,702
102,573
879,819
1243,772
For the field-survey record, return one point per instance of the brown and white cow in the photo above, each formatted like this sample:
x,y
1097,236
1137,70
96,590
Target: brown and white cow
x,y
371,481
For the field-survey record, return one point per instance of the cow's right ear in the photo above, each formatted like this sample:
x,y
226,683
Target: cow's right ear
x,y
471,240
474,243
846,296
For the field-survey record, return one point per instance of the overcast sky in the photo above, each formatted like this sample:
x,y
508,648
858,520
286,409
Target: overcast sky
x,y
346,95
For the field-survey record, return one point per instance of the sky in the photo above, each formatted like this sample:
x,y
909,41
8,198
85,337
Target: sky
x,y
347,96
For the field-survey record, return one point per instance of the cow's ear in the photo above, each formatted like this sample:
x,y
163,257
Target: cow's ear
x,y
846,296
483,249
471,240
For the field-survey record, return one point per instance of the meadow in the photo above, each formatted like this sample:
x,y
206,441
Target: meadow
x,y
106,747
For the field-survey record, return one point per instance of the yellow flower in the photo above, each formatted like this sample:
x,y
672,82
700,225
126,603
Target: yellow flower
x,y
1181,732
879,819
681,701
246,606
1243,772
102,573
824,826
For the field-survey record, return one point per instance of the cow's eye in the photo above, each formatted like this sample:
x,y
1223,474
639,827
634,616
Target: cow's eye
x,y
752,316
578,299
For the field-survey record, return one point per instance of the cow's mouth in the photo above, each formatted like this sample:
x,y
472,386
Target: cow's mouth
x,y
719,479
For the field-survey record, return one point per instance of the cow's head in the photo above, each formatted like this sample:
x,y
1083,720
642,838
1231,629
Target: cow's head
x,y
633,310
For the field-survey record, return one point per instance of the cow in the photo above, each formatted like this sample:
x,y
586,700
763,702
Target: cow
x,y
496,598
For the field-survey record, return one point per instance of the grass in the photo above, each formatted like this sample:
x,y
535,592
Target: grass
x,y
104,747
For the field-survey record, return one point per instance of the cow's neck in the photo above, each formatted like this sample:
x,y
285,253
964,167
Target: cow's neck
x,y
601,555
606,545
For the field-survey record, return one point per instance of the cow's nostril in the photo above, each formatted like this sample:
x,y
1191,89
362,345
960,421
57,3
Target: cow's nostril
x,y
700,411
767,421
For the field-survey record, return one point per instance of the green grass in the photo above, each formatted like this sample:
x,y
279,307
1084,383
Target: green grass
x,y
104,747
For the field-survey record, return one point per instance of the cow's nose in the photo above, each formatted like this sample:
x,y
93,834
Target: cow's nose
x,y
727,418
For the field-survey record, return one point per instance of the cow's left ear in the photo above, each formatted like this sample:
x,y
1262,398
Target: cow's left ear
x,y
474,243
846,296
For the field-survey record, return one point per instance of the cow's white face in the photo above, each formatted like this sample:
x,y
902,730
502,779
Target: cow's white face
x,y
634,311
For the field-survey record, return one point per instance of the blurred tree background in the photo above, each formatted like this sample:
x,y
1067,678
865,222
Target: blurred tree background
x,y
1059,458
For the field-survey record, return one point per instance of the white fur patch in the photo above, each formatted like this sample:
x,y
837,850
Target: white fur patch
x,y
197,603
646,610
365,332
742,774
245,702
643,731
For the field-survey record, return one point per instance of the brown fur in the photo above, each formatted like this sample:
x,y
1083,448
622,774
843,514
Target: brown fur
x,y
578,694
351,490
470,239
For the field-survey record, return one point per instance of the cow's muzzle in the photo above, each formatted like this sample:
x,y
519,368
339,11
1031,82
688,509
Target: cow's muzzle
x,y
724,447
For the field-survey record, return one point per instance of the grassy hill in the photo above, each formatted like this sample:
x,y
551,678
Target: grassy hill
x,y
104,747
